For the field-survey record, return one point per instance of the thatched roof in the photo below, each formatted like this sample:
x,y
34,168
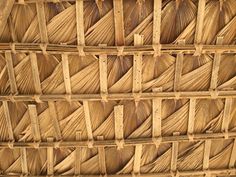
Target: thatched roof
x,y
122,88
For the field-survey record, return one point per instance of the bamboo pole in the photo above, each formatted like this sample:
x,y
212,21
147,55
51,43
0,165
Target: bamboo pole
x,y
122,96
114,50
127,142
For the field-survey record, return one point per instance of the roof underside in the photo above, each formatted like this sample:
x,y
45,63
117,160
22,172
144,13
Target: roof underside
x,y
122,88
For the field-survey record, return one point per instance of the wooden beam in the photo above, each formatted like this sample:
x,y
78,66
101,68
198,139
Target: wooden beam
x,y
127,142
119,125
35,73
88,121
78,154
34,122
191,117
157,22
206,155
50,158
8,120
6,7
103,73
80,22
119,22
233,156
66,73
156,119
227,115
24,164
200,21
174,154
218,171
11,72
137,66
122,96
137,158
42,21
216,66
102,157
114,50
54,118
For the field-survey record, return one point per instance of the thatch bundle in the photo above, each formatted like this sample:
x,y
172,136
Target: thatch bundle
x,y
57,119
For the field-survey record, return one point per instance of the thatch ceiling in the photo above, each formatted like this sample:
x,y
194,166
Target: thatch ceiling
x,y
120,88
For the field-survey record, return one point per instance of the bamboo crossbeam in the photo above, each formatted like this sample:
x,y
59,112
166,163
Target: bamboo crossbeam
x,y
114,50
127,142
122,96
222,171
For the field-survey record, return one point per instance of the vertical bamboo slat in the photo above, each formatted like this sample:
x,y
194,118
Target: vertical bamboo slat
x,y
35,73
11,72
42,21
8,120
119,22
34,122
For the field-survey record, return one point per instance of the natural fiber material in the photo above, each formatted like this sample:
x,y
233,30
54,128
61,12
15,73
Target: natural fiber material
x,y
208,148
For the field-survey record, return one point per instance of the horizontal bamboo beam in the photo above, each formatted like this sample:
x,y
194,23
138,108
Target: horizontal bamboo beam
x,y
112,143
221,171
114,50
122,96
